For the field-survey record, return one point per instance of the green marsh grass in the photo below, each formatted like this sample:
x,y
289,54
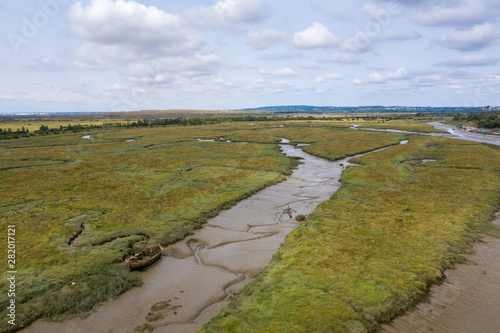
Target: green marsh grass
x,y
375,247
158,188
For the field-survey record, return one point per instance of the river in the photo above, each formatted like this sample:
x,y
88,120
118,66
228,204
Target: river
x,y
453,133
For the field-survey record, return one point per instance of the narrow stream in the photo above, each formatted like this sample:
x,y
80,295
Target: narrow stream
x,y
200,274
72,239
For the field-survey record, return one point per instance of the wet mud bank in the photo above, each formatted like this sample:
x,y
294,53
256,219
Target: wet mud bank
x,y
466,301
199,275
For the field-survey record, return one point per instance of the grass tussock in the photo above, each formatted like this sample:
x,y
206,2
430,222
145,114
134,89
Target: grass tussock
x,y
376,246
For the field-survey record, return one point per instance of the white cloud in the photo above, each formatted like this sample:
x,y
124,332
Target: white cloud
x,y
364,41
426,81
399,74
428,78
481,86
166,70
240,10
190,51
345,58
151,47
320,79
317,35
398,36
470,60
195,65
333,9
221,83
375,12
312,65
46,64
146,73
462,74
477,38
266,38
126,30
375,77
133,26
466,13
280,72
118,86
262,86
359,43
282,86
334,76
92,56
228,13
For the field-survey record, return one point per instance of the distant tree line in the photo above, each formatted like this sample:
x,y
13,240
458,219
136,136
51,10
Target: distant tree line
x,y
206,120
9,133
193,121
489,120
45,130
180,121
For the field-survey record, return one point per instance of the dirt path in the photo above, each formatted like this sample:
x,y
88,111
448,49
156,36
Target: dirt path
x,y
199,274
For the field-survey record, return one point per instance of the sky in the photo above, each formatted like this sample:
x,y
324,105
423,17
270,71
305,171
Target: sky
x,y
124,55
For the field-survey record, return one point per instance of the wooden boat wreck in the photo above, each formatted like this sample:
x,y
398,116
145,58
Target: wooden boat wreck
x,y
145,257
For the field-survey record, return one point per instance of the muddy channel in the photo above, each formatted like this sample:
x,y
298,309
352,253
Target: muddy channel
x,y
198,276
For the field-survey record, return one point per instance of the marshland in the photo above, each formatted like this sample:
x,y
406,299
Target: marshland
x,y
401,218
